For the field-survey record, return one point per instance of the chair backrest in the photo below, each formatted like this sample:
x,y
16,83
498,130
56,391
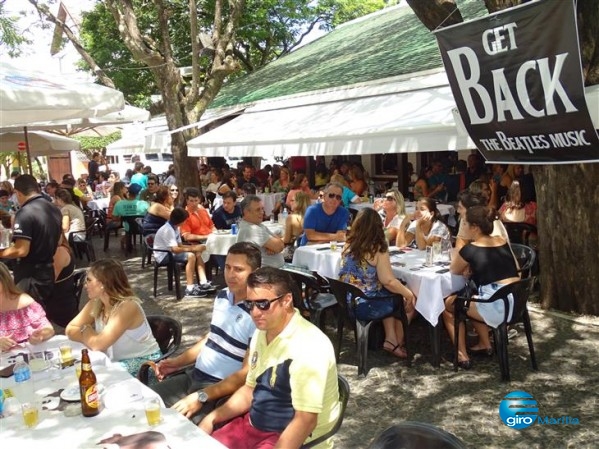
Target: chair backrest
x,y
90,223
309,286
344,392
415,435
520,291
134,227
526,258
167,331
519,232
341,291
79,276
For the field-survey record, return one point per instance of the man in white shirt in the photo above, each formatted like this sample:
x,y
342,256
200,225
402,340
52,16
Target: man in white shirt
x,y
168,237
252,230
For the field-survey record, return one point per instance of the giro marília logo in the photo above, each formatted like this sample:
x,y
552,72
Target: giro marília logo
x,y
518,410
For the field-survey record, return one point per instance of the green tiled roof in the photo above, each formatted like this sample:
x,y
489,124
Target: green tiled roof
x,y
389,43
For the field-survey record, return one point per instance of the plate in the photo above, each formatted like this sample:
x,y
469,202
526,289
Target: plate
x,y
72,393
38,365
223,231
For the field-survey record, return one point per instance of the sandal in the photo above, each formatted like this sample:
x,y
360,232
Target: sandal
x,y
401,351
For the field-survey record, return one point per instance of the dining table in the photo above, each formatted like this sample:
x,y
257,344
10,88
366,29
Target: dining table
x,y
61,424
219,241
98,204
431,284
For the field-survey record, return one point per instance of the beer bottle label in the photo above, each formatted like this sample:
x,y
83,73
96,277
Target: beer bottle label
x,y
91,397
86,367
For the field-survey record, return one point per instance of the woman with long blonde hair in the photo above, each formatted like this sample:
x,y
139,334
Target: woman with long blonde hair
x,y
392,208
294,225
365,263
113,320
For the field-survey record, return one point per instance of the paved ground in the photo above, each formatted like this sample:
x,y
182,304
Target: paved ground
x,y
463,403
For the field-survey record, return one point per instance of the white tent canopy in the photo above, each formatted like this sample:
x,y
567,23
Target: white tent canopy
x,y
40,143
27,97
395,116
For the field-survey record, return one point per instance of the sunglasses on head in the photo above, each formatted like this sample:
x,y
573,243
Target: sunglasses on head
x,y
334,195
261,304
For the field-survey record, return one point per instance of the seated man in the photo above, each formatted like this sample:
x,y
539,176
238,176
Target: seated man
x,y
218,356
198,225
328,220
291,393
228,213
168,237
149,194
252,230
130,206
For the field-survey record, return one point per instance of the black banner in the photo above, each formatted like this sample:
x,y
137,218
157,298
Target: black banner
x,y
517,81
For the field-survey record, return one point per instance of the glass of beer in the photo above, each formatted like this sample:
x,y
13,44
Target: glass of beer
x,y
30,414
152,408
66,355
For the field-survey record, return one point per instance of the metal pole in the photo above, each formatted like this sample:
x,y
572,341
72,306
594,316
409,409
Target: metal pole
x,y
27,148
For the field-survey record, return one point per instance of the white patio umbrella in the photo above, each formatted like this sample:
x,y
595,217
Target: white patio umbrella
x,y
41,143
27,97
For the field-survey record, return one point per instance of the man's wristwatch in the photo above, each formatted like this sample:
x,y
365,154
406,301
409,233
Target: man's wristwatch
x,y
202,396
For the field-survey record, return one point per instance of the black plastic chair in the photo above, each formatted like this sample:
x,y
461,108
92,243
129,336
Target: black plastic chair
x,y
526,257
416,435
107,229
520,291
172,267
86,246
168,333
315,298
344,392
519,232
133,232
79,276
347,296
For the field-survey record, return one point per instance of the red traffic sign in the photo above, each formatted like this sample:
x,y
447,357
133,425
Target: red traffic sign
x,y
21,146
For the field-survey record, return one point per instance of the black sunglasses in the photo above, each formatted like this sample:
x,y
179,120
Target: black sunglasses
x,y
174,190
261,304
333,195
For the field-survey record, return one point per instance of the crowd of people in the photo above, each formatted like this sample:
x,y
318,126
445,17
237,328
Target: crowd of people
x,y
255,350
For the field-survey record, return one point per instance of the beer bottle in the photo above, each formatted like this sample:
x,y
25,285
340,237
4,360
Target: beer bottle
x,y
90,402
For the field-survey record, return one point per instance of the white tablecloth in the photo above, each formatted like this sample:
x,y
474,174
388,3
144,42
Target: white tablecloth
x,y
122,412
219,242
429,286
99,204
270,200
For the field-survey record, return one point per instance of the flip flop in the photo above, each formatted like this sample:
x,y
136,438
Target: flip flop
x,y
402,354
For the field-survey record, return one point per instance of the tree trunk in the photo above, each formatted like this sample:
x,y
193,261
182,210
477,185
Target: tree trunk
x,y
567,217
567,195
436,13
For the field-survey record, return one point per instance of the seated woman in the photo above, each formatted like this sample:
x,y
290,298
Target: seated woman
x,y
159,211
62,305
119,192
22,319
492,265
426,228
283,184
113,321
421,186
356,181
294,225
366,264
73,221
519,206
392,209
301,183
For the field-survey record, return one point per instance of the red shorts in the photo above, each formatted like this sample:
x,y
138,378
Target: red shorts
x,y
240,434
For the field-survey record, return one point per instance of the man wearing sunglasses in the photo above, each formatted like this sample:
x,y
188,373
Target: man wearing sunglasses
x,y
326,221
290,394
220,357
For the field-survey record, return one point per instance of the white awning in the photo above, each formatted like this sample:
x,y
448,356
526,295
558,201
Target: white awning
x,y
409,116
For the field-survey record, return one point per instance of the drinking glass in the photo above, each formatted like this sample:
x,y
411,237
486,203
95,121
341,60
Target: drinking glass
x,y
30,413
152,408
333,245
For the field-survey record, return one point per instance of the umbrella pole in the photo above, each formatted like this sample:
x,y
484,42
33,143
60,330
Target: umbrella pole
x,y
28,152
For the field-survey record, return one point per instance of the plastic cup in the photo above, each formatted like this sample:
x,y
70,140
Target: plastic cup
x,y
66,355
152,408
30,413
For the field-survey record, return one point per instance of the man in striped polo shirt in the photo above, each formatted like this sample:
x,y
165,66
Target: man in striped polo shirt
x,y
219,356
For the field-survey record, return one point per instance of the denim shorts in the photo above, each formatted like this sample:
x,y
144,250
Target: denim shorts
x,y
369,309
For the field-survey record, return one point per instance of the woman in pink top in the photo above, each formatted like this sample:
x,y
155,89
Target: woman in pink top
x,y
300,184
22,319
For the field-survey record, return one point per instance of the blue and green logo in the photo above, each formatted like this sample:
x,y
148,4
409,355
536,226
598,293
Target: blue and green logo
x,y
520,410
